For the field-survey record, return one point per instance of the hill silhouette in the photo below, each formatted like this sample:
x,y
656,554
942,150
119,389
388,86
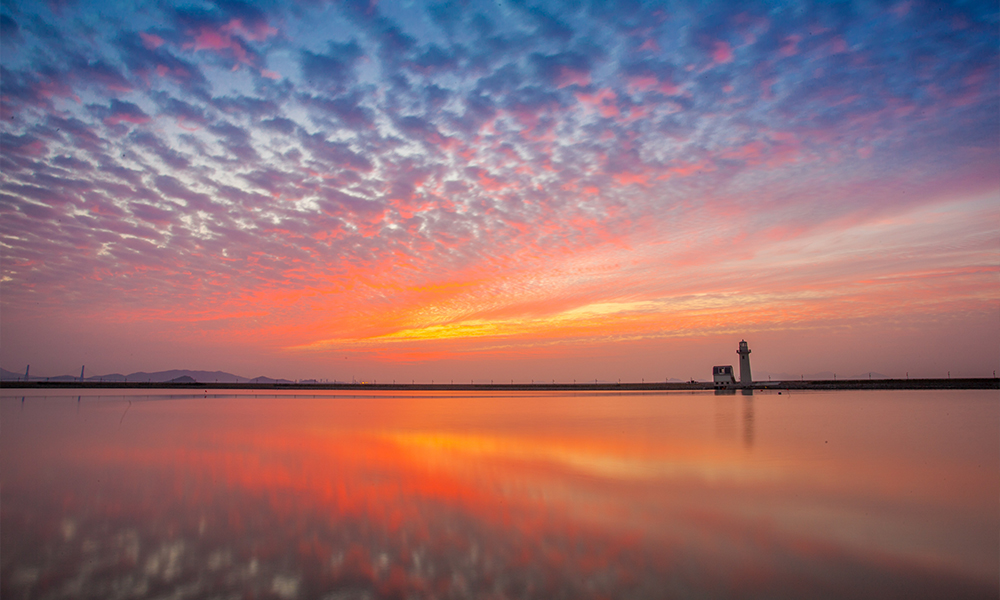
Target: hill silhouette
x,y
170,376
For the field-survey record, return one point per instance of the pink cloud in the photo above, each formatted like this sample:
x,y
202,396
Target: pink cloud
x,y
256,32
181,123
211,39
650,45
135,119
492,183
749,152
49,88
150,40
632,178
901,9
646,83
790,47
838,45
780,148
24,145
603,101
567,76
722,52
688,169
230,37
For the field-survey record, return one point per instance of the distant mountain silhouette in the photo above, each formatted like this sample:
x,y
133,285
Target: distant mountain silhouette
x,y
6,375
263,379
182,379
197,376
154,377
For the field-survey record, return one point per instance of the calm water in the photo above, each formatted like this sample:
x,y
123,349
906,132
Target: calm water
x,y
876,494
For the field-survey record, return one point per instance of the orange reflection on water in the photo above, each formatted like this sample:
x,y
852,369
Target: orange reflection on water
x,y
515,496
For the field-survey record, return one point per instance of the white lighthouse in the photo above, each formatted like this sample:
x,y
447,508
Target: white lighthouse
x,y
746,378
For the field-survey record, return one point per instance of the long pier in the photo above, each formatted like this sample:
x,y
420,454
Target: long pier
x,y
974,383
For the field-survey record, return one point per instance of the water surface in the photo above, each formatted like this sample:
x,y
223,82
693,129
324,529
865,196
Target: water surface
x,y
874,494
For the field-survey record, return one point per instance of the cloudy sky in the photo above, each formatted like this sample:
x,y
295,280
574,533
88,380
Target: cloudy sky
x,y
499,190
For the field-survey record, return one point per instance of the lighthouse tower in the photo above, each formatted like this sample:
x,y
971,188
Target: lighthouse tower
x,y
745,377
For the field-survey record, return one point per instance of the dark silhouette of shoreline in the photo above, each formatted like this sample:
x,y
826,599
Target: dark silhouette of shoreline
x,y
968,383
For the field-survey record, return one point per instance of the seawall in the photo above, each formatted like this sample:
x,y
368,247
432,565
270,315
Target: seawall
x,y
982,383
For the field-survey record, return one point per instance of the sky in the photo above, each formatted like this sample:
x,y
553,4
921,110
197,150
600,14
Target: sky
x,y
502,190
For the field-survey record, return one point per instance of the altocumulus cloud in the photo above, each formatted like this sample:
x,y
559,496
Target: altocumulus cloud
x,y
434,163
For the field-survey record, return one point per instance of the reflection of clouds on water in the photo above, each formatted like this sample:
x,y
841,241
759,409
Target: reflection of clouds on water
x,y
446,556
285,586
230,505
153,543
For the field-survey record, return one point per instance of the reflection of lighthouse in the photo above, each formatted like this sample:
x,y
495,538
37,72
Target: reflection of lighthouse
x,y
744,352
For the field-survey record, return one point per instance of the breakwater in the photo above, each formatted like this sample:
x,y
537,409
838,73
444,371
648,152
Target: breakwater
x,y
975,383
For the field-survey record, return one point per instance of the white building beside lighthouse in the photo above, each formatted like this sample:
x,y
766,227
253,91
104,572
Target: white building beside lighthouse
x,y
722,375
